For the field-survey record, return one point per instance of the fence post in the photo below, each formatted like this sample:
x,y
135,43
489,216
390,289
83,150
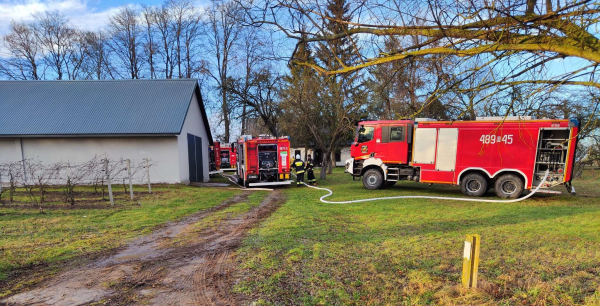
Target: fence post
x,y
129,175
110,194
471,261
148,176
0,182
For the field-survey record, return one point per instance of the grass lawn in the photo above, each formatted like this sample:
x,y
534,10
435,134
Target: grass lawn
x,y
544,250
28,238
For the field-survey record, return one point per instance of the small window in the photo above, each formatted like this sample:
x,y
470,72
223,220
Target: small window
x,y
338,156
397,133
365,133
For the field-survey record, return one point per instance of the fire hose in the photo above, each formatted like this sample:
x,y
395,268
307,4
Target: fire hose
x,y
426,197
330,193
231,178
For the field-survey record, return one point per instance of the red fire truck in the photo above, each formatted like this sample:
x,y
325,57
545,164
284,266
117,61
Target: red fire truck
x,y
215,160
228,157
506,154
263,161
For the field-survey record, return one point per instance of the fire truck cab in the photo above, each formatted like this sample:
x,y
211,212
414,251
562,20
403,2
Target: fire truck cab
x,y
263,161
507,154
228,157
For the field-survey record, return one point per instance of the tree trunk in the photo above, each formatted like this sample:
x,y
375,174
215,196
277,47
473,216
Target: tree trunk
x,y
244,127
225,111
325,164
530,7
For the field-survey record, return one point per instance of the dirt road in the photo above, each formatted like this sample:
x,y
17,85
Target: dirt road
x,y
155,270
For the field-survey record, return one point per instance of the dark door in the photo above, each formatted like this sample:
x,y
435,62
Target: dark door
x,y
195,158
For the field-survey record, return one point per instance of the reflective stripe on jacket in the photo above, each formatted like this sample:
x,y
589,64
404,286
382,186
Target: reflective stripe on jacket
x,y
299,166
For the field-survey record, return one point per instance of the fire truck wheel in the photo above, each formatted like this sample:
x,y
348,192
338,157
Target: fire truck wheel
x,y
474,185
373,179
508,186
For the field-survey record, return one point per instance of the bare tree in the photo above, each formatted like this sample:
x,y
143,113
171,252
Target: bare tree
x,y
190,34
163,26
516,40
126,41
77,55
259,94
21,62
56,38
97,64
223,29
149,19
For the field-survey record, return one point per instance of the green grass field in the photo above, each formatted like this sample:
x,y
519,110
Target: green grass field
x,y
29,238
542,251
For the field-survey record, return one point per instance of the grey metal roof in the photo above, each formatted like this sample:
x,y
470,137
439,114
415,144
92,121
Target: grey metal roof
x,y
120,107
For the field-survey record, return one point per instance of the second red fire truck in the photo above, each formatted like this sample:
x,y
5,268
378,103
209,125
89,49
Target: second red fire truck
x,y
228,157
263,161
506,154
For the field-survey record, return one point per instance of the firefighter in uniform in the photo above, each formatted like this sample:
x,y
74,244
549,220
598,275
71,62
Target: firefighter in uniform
x,y
299,167
310,170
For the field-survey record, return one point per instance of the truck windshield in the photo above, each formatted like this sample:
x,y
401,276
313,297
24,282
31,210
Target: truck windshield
x,y
365,133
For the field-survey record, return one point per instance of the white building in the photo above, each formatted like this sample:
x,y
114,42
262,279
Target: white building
x,y
340,156
73,121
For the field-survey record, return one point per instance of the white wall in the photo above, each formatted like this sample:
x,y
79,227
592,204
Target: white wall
x,y
10,149
193,124
302,153
162,151
345,154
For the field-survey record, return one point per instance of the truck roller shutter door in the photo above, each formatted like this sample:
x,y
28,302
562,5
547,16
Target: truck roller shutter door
x,y
425,146
446,149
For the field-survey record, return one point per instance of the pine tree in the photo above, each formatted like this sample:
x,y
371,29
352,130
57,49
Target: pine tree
x,y
325,108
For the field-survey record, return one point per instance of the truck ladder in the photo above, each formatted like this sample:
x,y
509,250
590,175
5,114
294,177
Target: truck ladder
x,y
393,174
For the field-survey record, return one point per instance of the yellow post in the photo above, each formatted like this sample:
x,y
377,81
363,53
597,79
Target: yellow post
x,y
471,261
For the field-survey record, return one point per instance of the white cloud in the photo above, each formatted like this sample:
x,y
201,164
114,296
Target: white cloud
x,y
79,12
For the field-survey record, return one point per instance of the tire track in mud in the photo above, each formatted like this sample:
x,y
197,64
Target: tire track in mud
x,y
96,280
201,272
210,272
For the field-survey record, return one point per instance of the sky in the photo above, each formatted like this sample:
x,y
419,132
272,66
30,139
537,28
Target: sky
x,y
83,14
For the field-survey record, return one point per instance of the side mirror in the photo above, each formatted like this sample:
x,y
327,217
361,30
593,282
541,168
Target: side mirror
x,y
356,144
